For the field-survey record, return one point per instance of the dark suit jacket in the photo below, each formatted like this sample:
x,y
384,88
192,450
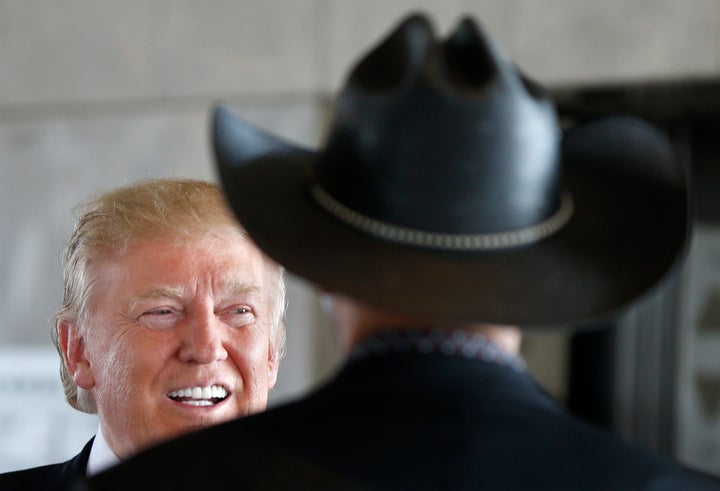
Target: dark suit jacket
x,y
53,477
407,421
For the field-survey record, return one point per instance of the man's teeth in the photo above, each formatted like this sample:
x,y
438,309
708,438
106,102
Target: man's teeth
x,y
199,396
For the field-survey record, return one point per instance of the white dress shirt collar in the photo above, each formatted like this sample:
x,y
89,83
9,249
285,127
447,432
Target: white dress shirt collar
x,y
101,455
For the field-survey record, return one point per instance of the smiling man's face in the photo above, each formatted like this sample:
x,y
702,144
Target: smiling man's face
x,y
178,338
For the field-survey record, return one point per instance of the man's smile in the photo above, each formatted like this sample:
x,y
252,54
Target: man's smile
x,y
199,396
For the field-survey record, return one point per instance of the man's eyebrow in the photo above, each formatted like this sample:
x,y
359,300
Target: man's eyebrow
x,y
162,291
240,287
231,287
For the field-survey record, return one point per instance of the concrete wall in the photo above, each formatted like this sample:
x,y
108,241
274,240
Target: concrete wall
x,y
97,93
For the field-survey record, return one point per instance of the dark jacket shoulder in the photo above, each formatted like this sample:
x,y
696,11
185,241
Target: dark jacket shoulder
x,y
56,477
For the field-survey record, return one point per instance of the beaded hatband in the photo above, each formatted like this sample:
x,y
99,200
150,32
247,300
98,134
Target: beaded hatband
x,y
448,241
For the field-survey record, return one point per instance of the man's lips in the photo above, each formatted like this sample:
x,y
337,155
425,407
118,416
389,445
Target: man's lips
x,y
208,395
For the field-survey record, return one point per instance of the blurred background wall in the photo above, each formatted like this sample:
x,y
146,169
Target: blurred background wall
x,y
97,93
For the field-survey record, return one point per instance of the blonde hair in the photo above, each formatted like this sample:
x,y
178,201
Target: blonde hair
x,y
109,223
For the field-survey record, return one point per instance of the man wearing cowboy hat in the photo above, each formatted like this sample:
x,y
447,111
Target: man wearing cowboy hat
x,y
445,207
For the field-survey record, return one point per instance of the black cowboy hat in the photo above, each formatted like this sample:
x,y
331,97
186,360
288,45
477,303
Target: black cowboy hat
x,y
446,189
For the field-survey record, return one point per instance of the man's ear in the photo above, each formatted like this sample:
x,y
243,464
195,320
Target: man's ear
x,y
72,345
273,365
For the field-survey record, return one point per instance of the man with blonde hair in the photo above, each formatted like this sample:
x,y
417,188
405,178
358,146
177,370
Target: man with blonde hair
x,y
172,320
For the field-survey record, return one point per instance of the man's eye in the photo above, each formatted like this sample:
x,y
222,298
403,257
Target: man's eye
x,y
160,312
159,319
239,316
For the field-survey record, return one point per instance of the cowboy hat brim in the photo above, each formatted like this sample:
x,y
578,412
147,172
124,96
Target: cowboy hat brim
x,y
628,230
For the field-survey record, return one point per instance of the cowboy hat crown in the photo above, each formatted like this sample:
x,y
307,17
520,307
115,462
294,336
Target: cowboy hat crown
x,y
426,139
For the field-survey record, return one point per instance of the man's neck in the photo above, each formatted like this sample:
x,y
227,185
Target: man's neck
x,y
355,321
506,337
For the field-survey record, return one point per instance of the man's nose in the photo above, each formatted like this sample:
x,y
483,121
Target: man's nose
x,y
202,338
